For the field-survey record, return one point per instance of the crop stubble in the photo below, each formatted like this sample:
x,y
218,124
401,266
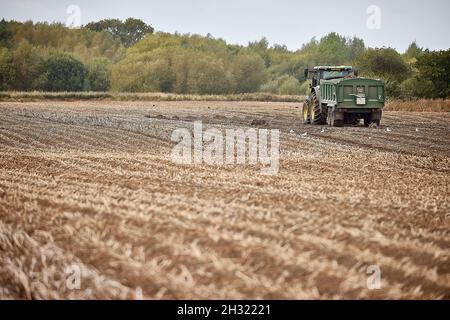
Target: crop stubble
x,y
92,184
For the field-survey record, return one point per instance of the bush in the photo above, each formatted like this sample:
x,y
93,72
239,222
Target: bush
x,y
284,85
28,63
435,67
290,86
98,76
304,88
7,72
208,76
249,72
270,86
145,72
385,63
392,88
416,88
64,73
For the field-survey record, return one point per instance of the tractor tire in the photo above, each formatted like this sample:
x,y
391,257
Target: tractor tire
x,y
305,113
316,115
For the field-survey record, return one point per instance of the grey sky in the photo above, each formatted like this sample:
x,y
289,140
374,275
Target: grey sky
x,y
289,22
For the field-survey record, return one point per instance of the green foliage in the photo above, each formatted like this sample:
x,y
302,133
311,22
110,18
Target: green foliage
x,y
174,63
143,72
435,67
333,49
305,89
7,72
261,48
127,32
127,56
385,63
98,75
292,66
284,85
416,87
248,72
5,34
208,76
64,73
392,88
83,43
28,64
413,52
290,86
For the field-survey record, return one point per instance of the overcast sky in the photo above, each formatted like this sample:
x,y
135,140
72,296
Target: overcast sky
x,y
289,22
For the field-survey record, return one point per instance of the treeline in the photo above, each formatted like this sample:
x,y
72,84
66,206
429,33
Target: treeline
x,y
128,56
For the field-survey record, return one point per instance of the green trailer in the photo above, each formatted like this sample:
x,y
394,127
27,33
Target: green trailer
x,y
338,97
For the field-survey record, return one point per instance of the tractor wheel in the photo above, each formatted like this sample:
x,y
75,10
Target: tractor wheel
x,y
306,119
316,116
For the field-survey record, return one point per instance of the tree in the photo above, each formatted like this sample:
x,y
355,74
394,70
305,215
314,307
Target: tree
x,y
7,72
332,49
285,84
435,67
98,77
148,72
356,47
385,62
416,87
28,63
134,30
290,86
83,43
413,51
64,73
208,76
5,34
248,72
128,32
261,48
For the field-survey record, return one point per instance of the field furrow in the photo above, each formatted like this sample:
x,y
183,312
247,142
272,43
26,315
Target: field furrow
x,y
92,185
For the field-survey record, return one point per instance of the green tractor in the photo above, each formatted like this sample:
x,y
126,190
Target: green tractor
x,y
339,97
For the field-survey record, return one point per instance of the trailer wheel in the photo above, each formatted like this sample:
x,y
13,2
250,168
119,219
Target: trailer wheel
x,y
369,122
373,119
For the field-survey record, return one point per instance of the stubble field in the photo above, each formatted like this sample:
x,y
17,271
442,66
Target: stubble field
x,y
91,185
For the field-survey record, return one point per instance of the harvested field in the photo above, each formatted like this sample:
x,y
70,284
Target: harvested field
x,y
91,184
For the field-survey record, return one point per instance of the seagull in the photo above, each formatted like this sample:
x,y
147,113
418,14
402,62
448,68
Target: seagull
x,y
388,130
305,134
291,131
417,129
323,130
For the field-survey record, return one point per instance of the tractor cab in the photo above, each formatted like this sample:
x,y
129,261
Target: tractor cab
x,y
328,73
